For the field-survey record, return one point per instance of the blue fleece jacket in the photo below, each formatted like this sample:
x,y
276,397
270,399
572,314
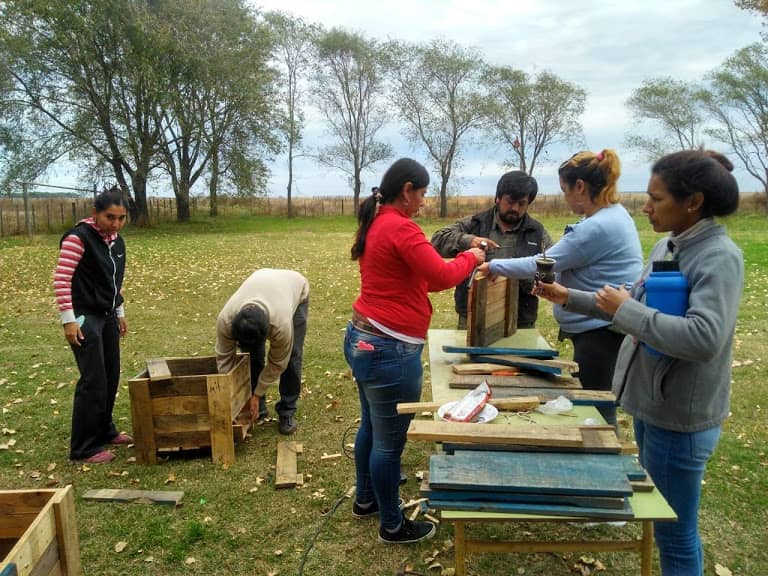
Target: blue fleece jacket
x,y
601,249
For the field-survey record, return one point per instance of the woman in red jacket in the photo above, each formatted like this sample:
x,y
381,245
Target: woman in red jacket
x,y
384,340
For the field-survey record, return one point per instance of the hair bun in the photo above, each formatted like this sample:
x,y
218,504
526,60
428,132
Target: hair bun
x,y
720,158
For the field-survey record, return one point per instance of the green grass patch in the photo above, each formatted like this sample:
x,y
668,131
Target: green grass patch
x,y
233,521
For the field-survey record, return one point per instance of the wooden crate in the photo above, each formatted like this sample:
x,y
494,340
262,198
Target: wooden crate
x,y
195,408
38,533
491,310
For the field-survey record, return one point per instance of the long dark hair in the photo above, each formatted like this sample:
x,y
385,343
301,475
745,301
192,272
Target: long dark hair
x,y
402,171
690,171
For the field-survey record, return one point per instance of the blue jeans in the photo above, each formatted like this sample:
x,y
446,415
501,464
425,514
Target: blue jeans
x,y
387,371
676,462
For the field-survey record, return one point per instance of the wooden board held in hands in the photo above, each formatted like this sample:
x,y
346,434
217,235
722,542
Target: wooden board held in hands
x,y
491,309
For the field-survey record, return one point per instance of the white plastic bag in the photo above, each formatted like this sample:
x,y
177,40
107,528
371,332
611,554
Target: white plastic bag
x,y
470,406
557,406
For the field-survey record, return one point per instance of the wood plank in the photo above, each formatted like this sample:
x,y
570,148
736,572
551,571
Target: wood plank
x,y
179,405
553,509
565,365
533,435
578,397
528,364
240,379
142,422
469,381
475,368
222,442
66,532
543,353
182,423
645,485
47,563
491,309
36,540
286,472
158,369
530,473
173,441
564,499
503,404
171,497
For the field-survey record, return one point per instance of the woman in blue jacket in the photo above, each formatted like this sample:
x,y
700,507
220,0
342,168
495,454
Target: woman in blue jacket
x,y
679,398
602,248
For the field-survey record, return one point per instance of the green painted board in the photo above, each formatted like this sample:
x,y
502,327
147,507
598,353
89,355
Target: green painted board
x,y
562,499
625,513
529,473
540,353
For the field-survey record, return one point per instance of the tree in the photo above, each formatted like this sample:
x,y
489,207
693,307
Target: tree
x,y
529,115
349,89
675,107
293,42
436,90
221,105
85,72
759,6
738,101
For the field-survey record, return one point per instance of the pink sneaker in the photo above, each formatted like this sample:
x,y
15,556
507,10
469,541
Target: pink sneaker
x,y
100,457
122,438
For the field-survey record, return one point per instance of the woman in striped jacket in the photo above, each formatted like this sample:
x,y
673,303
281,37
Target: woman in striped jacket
x,y
88,283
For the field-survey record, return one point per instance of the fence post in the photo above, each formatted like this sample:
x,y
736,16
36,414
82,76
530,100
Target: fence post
x,y
27,222
74,213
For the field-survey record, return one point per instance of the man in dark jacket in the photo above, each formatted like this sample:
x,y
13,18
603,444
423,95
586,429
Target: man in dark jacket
x,y
508,231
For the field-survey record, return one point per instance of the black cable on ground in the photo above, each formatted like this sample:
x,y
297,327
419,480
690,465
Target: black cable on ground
x,y
349,493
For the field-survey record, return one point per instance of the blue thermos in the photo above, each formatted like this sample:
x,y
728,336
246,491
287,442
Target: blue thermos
x,y
666,290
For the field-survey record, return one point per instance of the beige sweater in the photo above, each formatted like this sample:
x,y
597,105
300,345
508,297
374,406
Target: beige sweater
x,y
279,293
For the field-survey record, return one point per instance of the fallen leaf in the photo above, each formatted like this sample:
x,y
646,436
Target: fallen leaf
x,y
721,570
278,552
149,559
171,478
189,561
120,546
51,466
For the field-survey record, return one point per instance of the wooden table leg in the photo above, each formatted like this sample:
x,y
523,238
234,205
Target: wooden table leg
x,y
460,547
646,552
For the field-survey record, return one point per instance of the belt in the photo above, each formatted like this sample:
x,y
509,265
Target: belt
x,y
361,323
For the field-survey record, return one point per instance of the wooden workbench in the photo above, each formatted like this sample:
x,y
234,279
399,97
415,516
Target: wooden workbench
x,y
646,506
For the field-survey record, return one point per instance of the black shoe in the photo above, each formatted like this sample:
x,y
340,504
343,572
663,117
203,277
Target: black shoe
x,y
411,531
372,510
286,424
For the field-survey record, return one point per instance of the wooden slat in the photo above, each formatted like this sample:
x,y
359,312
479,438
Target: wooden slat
x,y
543,353
173,441
47,564
286,473
579,397
158,369
510,359
550,509
527,364
533,435
522,380
66,532
503,404
240,379
222,442
530,473
180,386
35,541
179,405
172,497
141,419
182,423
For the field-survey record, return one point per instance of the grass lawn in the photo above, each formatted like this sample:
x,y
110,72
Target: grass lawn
x,y
233,521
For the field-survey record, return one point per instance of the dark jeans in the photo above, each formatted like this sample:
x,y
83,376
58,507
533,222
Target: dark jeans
x,y
387,371
676,462
98,359
290,379
595,352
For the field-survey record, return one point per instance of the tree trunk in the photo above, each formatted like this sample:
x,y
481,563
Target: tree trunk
x,y
182,196
358,186
443,198
140,212
213,185
290,179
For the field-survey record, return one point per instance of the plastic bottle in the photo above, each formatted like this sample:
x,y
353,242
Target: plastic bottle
x,y
666,289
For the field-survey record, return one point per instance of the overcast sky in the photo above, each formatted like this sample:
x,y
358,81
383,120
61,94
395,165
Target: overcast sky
x,y
606,47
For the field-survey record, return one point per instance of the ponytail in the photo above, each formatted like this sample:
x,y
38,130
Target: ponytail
x,y
599,171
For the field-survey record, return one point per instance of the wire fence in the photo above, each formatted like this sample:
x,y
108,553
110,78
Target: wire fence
x,y
57,214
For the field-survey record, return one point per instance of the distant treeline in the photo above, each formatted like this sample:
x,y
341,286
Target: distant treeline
x,y
55,214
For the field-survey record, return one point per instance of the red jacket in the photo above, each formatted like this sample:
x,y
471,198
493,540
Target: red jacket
x,y
398,268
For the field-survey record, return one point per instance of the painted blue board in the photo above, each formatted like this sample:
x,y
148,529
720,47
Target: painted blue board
x,y
529,473
9,570
517,364
566,500
545,509
627,462
540,353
